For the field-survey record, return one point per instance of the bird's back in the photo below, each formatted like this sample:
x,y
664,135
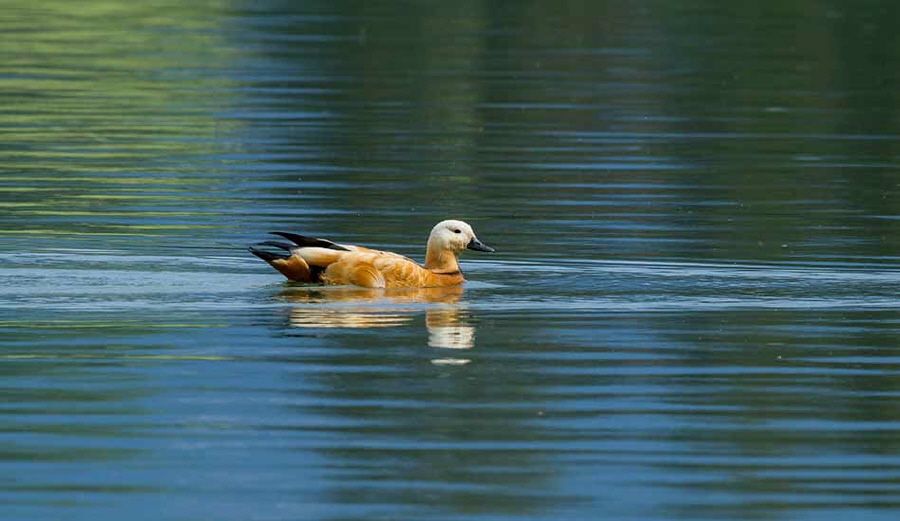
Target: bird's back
x,y
373,268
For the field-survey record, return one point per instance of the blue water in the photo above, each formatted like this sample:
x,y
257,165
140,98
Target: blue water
x,y
692,312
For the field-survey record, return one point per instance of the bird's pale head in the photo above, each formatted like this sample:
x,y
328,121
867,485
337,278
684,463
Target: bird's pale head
x,y
456,236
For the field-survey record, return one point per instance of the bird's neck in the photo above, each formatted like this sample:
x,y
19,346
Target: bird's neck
x,y
440,260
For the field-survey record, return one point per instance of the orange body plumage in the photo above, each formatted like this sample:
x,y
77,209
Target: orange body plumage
x,y
314,260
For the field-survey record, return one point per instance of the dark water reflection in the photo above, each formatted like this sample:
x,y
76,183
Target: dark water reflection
x,y
692,313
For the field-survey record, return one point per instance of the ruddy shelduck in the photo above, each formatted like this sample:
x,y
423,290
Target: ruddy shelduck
x,y
312,260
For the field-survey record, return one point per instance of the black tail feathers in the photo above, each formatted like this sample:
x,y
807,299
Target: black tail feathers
x,y
304,241
297,240
267,256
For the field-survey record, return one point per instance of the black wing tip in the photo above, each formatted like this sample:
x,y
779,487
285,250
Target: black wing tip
x,y
277,244
304,241
266,255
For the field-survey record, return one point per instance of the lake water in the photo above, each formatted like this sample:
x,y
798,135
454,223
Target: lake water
x,y
693,311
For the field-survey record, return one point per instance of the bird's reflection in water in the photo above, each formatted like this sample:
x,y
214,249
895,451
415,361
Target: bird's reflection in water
x,y
446,318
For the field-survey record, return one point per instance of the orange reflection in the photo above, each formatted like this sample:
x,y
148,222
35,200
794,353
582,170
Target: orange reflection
x,y
349,307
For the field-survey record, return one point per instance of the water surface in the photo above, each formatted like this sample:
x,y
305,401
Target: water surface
x,y
692,312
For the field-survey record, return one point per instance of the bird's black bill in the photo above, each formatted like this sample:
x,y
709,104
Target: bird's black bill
x,y
477,245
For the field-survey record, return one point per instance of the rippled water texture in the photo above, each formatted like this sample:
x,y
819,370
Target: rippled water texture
x,y
692,312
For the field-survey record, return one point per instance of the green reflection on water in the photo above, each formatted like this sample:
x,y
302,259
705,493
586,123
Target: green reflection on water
x,y
106,96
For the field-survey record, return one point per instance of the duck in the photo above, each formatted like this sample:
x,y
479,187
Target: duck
x,y
321,261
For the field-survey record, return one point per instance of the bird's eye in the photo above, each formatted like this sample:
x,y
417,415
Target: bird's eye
x,y
457,231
